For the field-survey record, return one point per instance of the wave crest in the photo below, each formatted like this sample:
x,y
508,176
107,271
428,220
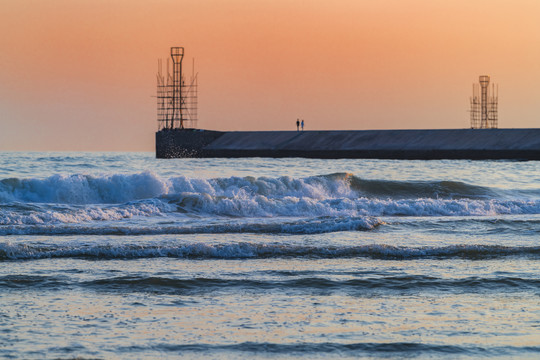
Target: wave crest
x,y
83,198
121,188
83,189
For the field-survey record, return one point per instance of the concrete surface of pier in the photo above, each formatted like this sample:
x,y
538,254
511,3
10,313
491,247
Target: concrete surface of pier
x,y
476,144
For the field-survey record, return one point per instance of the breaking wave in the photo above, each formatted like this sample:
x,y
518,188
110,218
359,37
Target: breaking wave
x,y
144,204
77,198
121,188
82,189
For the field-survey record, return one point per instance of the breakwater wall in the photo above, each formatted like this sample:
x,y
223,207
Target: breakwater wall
x,y
474,144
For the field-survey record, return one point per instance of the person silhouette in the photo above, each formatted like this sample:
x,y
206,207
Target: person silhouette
x,y
297,125
302,124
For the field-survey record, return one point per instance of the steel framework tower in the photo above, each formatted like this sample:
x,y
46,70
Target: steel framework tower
x,y
484,105
176,100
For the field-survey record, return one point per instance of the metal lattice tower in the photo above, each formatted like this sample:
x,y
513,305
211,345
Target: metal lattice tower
x,y
484,105
176,100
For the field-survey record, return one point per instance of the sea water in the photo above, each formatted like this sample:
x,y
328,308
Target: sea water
x,y
121,255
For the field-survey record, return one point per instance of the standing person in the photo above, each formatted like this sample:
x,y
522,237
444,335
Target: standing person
x,y
297,125
302,124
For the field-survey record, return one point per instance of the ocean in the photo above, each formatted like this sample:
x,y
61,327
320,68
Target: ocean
x,y
124,256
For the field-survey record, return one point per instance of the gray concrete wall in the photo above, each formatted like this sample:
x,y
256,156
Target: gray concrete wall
x,y
454,139
390,144
183,143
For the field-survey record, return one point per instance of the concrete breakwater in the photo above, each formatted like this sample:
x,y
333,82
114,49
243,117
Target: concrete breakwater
x,y
474,144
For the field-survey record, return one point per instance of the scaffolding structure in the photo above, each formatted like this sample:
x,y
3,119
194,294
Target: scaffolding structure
x,y
176,98
484,105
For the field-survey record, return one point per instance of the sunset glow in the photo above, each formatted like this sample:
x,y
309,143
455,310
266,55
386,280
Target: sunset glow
x,y
80,75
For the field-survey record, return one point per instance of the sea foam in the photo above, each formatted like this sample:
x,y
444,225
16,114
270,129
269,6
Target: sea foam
x,y
84,199
121,188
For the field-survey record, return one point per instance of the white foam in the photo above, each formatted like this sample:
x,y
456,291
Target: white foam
x,y
79,214
120,188
115,197
261,206
83,189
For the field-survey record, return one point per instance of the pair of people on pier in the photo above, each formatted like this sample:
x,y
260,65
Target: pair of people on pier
x,y
298,124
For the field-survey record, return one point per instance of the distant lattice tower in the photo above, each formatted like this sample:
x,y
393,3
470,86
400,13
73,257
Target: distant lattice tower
x,y
176,100
484,104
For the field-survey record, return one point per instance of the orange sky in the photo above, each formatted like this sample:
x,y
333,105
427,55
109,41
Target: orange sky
x,y
80,75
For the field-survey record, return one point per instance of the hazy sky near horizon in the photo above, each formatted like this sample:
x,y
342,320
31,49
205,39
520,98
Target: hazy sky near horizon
x,y
80,75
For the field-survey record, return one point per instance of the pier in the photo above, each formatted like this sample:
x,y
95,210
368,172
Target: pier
x,y
178,136
473,144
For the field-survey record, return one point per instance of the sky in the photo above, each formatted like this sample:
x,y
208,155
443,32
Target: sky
x,y
80,75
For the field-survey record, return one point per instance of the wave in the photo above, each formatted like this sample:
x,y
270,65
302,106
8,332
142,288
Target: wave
x,y
121,188
78,199
188,206
67,225
421,189
204,285
83,189
488,225
247,250
13,214
335,349
291,206
406,282
305,226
